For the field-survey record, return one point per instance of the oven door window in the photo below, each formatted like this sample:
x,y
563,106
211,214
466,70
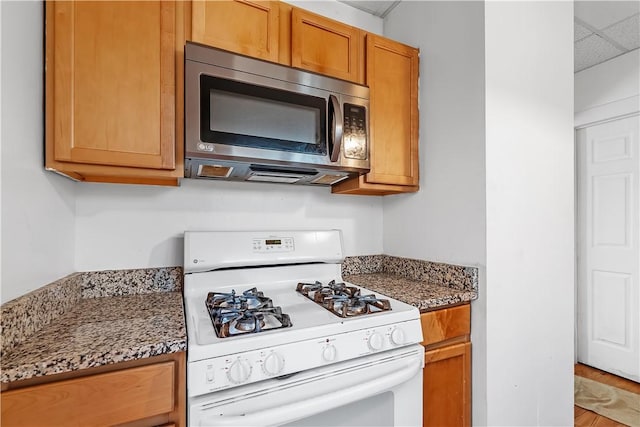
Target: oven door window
x,y
241,114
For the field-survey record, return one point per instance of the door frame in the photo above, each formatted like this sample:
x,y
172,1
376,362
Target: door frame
x,y
581,121
584,119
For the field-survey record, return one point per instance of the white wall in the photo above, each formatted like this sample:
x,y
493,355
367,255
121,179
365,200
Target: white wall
x,y
52,226
530,213
500,197
0,155
445,221
38,230
608,90
137,226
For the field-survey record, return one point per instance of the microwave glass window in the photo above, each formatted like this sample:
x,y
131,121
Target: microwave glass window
x,y
248,115
260,117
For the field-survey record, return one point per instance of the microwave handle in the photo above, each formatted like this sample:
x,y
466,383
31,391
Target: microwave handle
x,y
336,129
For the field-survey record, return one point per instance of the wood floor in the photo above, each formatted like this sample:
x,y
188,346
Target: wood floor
x,y
583,417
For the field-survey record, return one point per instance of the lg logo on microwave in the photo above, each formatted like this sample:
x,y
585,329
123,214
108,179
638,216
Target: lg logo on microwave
x,y
204,146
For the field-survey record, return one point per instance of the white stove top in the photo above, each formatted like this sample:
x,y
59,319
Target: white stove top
x,y
317,336
278,283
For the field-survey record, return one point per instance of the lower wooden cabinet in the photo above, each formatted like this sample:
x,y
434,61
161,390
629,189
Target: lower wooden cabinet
x,y
447,370
447,386
152,393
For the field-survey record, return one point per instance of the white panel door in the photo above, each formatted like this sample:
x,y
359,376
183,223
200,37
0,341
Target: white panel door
x,y
608,165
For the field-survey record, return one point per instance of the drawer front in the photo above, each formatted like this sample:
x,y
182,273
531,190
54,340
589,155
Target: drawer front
x,y
445,324
104,399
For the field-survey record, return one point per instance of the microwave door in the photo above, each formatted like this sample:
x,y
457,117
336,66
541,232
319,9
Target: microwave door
x,y
237,115
336,123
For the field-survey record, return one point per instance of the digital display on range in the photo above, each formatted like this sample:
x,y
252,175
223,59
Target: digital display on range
x,y
273,242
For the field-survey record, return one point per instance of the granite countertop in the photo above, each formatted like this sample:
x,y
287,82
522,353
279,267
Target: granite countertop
x,y
421,294
424,284
92,319
96,331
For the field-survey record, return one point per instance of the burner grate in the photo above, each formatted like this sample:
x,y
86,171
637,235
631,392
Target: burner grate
x,y
249,312
343,300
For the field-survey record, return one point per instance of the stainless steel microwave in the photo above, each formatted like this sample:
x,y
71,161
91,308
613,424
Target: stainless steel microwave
x,y
253,120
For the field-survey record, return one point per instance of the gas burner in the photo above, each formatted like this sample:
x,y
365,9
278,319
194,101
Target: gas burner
x,y
342,300
250,312
318,292
250,299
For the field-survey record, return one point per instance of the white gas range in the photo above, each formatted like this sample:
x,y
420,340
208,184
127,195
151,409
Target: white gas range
x,y
276,337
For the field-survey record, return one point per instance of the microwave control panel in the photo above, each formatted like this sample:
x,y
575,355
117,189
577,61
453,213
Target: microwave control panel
x,y
354,139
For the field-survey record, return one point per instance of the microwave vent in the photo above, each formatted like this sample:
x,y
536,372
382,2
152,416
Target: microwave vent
x,y
214,171
272,177
328,179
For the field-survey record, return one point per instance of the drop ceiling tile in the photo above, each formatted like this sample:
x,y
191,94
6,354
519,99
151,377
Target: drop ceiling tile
x,y
580,32
593,50
601,14
626,33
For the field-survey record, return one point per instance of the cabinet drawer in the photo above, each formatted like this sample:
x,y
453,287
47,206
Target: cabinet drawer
x,y
445,324
104,399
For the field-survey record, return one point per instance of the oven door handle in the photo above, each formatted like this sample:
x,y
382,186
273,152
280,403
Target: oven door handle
x,y
305,408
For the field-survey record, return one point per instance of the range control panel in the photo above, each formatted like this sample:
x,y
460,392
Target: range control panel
x,y
213,250
218,373
268,245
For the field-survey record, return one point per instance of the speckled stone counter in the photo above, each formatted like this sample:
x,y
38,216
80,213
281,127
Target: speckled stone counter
x,y
92,319
423,284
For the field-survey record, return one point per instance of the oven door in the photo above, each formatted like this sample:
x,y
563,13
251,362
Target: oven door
x,y
384,389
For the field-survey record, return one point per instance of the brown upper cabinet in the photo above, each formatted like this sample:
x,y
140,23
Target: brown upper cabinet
x,y
113,86
325,46
278,32
392,77
114,83
247,27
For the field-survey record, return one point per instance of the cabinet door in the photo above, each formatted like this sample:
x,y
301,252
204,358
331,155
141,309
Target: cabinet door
x,y
447,386
114,83
246,27
325,46
392,76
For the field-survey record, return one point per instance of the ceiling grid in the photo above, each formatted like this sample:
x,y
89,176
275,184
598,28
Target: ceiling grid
x,y
603,30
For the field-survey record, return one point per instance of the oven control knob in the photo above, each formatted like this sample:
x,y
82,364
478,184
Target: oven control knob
x,y
397,336
375,341
239,371
273,364
329,353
